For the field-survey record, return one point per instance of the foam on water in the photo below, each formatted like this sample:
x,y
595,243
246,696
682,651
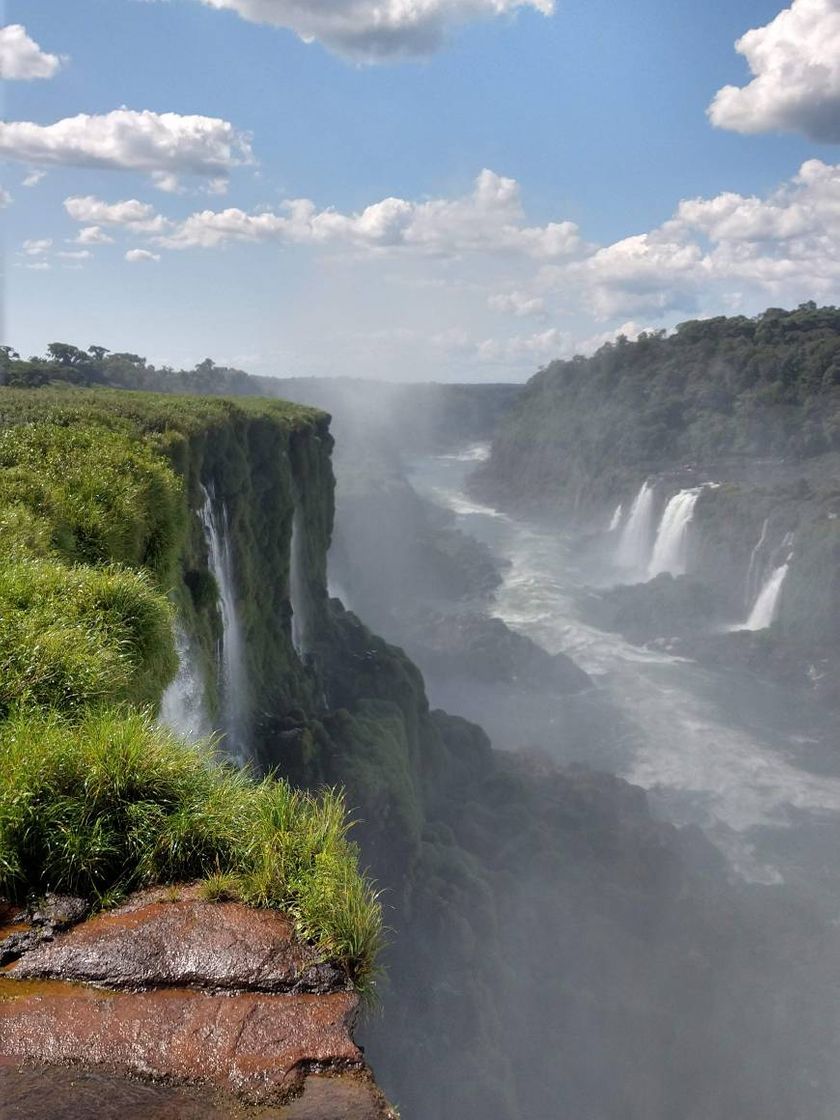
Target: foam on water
x,y
701,765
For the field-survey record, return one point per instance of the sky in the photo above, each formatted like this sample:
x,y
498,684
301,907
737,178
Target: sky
x,y
450,190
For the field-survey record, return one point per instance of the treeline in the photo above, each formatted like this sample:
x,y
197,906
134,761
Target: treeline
x,y
767,386
64,364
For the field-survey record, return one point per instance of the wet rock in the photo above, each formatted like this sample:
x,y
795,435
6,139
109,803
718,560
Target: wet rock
x,y
170,1006
157,941
257,1046
24,930
56,1093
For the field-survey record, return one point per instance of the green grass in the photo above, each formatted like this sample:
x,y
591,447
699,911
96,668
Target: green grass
x,y
113,802
95,798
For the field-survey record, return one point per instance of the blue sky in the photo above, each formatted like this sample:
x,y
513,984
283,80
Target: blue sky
x,y
599,115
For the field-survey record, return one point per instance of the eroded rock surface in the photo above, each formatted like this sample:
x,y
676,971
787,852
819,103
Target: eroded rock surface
x,y
184,941
212,1006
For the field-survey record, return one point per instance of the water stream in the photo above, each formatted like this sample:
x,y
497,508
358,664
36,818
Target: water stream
x,y
713,749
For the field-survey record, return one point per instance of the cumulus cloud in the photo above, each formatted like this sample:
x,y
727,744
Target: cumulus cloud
x,y
21,59
488,220
93,235
141,256
517,303
37,247
5,198
376,30
75,254
785,245
538,347
166,144
795,60
33,178
137,216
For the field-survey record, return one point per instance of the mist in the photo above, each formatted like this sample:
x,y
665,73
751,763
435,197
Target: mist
x,y
659,931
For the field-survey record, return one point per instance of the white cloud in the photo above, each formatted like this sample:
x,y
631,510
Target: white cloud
x,y
21,58
33,178
376,30
795,60
38,266
75,254
164,143
93,235
36,248
488,220
5,198
137,216
517,303
544,345
140,256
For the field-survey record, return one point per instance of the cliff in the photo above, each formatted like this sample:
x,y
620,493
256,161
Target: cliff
x,y
212,1003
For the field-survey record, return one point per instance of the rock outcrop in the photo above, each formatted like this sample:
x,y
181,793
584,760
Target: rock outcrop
x,y
214,1004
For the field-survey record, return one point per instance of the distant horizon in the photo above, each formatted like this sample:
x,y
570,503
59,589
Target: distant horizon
x,y
464,192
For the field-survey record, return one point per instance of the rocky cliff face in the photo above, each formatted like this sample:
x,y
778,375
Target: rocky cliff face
x,y
218,1004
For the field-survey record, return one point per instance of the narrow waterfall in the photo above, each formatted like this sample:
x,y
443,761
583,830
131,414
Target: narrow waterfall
x,y
670,552
754,571
634,545
232,677
183,707
766,606
297,587
616,518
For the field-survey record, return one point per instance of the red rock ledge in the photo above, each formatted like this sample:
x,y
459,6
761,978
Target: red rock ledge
x,y
217,997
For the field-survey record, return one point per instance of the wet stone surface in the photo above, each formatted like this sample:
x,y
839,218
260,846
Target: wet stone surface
x,y
154,941
54,1093
171,1006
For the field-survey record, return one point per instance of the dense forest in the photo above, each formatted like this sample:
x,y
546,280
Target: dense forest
x,y
735,388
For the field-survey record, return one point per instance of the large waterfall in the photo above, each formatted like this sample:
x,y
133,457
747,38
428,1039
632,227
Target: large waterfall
x,y
183,706
753,585
297,587
763,613
634,545
670,552
233,682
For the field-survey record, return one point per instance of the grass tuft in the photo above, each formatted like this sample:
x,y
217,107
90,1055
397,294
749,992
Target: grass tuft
x,y
112,802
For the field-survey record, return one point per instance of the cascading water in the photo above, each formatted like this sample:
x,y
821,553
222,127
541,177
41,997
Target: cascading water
x,y
634,545
766,606
183,707
297,587
233,683
670,552
753,585
616,518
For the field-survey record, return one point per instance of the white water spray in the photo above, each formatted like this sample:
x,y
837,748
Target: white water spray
x,y
234,689
183,707
634,545
766,606
670,553
297,587
753,577
616,518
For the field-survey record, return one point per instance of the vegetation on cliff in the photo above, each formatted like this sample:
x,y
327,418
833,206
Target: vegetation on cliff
x,y
588,429
96,493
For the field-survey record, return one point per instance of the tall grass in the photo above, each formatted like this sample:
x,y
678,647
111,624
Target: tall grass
x,y
113,802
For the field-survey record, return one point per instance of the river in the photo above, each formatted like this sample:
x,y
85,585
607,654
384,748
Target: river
x,y
757,770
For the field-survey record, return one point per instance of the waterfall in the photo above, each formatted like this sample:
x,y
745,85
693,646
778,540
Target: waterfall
x,y
297,587
670,552
763,613
234,689
183,705
753,577
634,545
616,518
